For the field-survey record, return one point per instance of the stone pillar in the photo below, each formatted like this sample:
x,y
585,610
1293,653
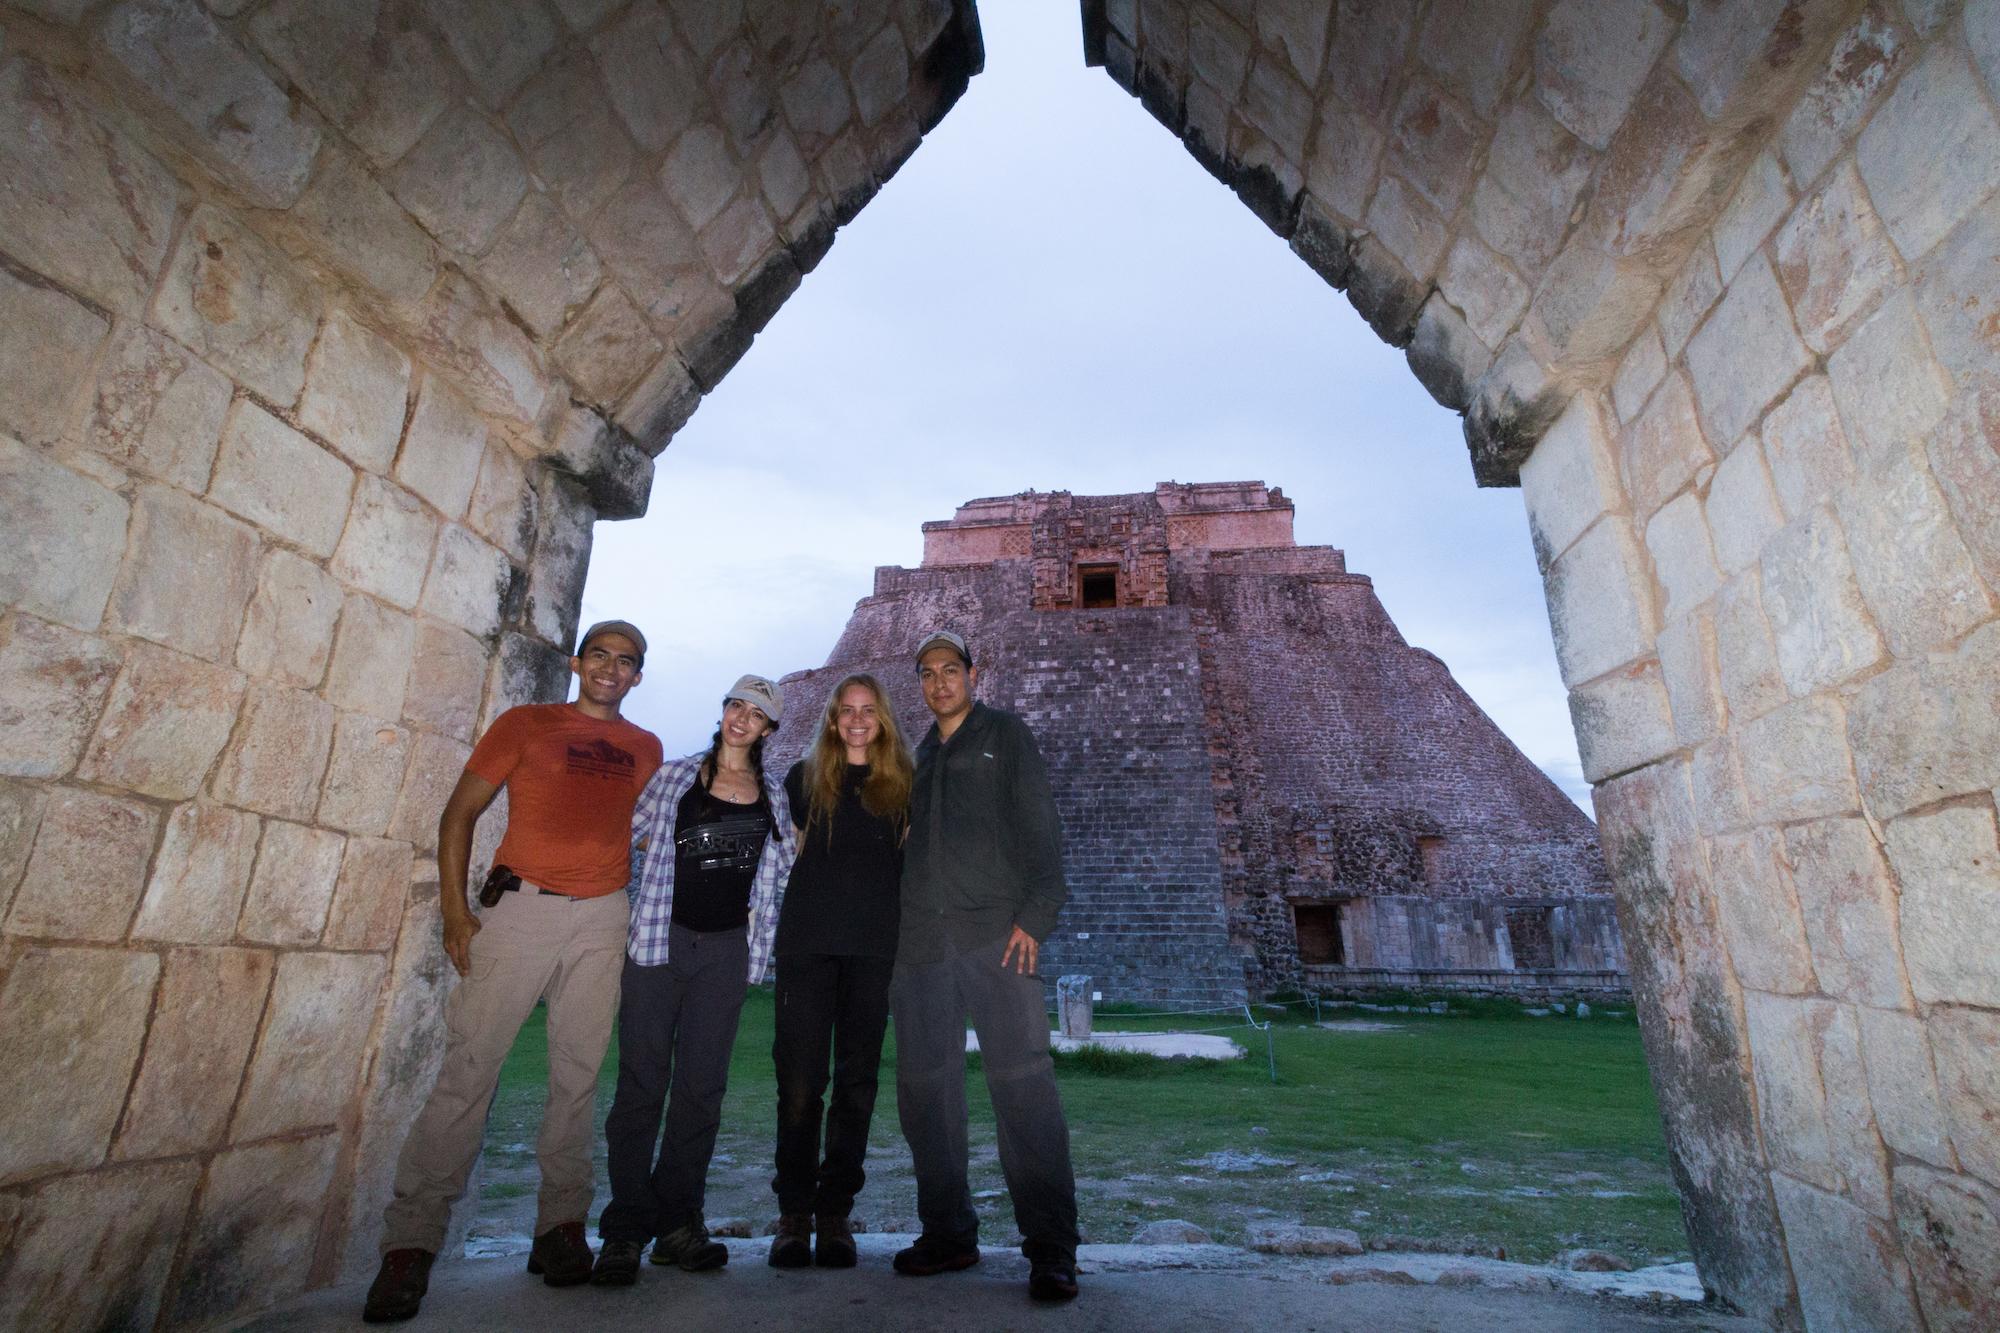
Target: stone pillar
x,y
1073,1009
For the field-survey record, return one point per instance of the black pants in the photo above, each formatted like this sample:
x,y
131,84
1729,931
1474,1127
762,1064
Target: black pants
x,y
931,1003
676,1026
837,1005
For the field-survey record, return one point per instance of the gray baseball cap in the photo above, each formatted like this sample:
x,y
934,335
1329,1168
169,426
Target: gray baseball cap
x,y
625,627
761,694
944,638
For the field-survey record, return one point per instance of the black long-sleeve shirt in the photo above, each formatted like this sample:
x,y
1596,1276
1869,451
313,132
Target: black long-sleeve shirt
x,y
985,848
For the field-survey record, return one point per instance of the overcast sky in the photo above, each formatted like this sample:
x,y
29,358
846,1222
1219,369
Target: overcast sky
x,y
1052,294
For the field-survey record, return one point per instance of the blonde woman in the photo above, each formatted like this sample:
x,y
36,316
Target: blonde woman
x,y
836,948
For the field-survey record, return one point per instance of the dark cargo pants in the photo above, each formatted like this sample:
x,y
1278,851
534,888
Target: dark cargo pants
x,y
930,1002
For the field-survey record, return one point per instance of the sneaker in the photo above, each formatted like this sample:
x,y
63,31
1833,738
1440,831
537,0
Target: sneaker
x,y
933,1254
691,1248
1052,1278
791,1245
834,1246
399,1286
561,1256
617,1264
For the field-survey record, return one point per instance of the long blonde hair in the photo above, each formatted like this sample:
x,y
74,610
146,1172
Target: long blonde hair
x,y
886,793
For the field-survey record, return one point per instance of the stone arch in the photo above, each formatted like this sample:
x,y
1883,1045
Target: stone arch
x,y
331,328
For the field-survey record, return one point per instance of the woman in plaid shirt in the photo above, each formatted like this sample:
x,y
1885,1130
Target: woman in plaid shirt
x,y
717,842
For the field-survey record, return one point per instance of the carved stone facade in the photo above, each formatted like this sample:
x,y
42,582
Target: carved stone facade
x,y
1365,825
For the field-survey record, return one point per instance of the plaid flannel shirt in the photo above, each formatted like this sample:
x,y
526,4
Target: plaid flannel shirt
x,y
653,898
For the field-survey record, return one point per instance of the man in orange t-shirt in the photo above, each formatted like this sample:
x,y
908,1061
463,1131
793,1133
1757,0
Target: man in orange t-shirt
x,y
572,773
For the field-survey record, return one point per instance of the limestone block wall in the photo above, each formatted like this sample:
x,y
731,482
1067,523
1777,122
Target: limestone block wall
x,y
328,330
1719,284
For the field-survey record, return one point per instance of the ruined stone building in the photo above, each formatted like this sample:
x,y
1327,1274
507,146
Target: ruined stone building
x,y
329,327
1263,787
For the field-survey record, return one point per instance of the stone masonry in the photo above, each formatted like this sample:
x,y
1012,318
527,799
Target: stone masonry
x,y
1718,284
1263,787
331,325
330,328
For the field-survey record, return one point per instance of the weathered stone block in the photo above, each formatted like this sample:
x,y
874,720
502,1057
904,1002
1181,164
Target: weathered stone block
x,y
1849,1266
365,774
1570,479
76,1018
87,869
1903,1085
608,347
136,1215
1961,308
288,632
188,574
783,175
232,114
462,180
540,265
371,658
1745,655
237,301
1966,1043
260,1210
662,403
1372,42
20,816
279,479
1600,602
880,76
1746,355
652,82
446,679
1833,259
387,545
1407,227
465,333
440,459
1760,203
1759,911
1479,283
1683,556
1687,667
157,408
1721,805
53,684
1864,59
1948,864
1664,448
1639,373
1795,763
292,886
1622,720
308,1058
1849,905
168,718
562,554
1806,447
498,46
356,390
274,764
1852,1133
196,890
1591,302
1536,171
435,763
66,535
1741,509
1951,1235
1445,354
1791,1101
1340,172
565,124
1925,732
46,342
1890,390
1818,624
700,174
371,72
502,509
653,254
369,900
740,238
100,210
1932,152
206,1018
1966,463
346,217
1590,60
1909,560
467,585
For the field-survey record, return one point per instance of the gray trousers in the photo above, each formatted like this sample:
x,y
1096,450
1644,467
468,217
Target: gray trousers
x,y
931,1002
676,1028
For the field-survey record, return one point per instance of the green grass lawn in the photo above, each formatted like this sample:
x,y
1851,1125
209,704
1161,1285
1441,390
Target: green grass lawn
x,y
1498,1130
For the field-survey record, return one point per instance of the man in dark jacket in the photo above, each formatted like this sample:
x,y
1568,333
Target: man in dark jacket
x,y
982,884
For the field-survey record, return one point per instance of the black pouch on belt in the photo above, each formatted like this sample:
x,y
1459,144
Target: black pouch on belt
x,y
499,880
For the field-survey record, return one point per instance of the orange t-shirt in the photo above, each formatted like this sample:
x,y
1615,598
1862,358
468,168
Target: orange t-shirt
x,y
571,783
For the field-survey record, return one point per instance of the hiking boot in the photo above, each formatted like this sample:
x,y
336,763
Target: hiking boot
x,y
791,1245
691,1249
834,1246
561,1256
617,1264
1052,1277
399,1286
934,1254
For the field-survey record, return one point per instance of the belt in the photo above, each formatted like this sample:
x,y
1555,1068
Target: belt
x,y
522,886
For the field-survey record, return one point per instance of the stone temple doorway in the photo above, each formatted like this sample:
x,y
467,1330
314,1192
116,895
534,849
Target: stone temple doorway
x,y
332,327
